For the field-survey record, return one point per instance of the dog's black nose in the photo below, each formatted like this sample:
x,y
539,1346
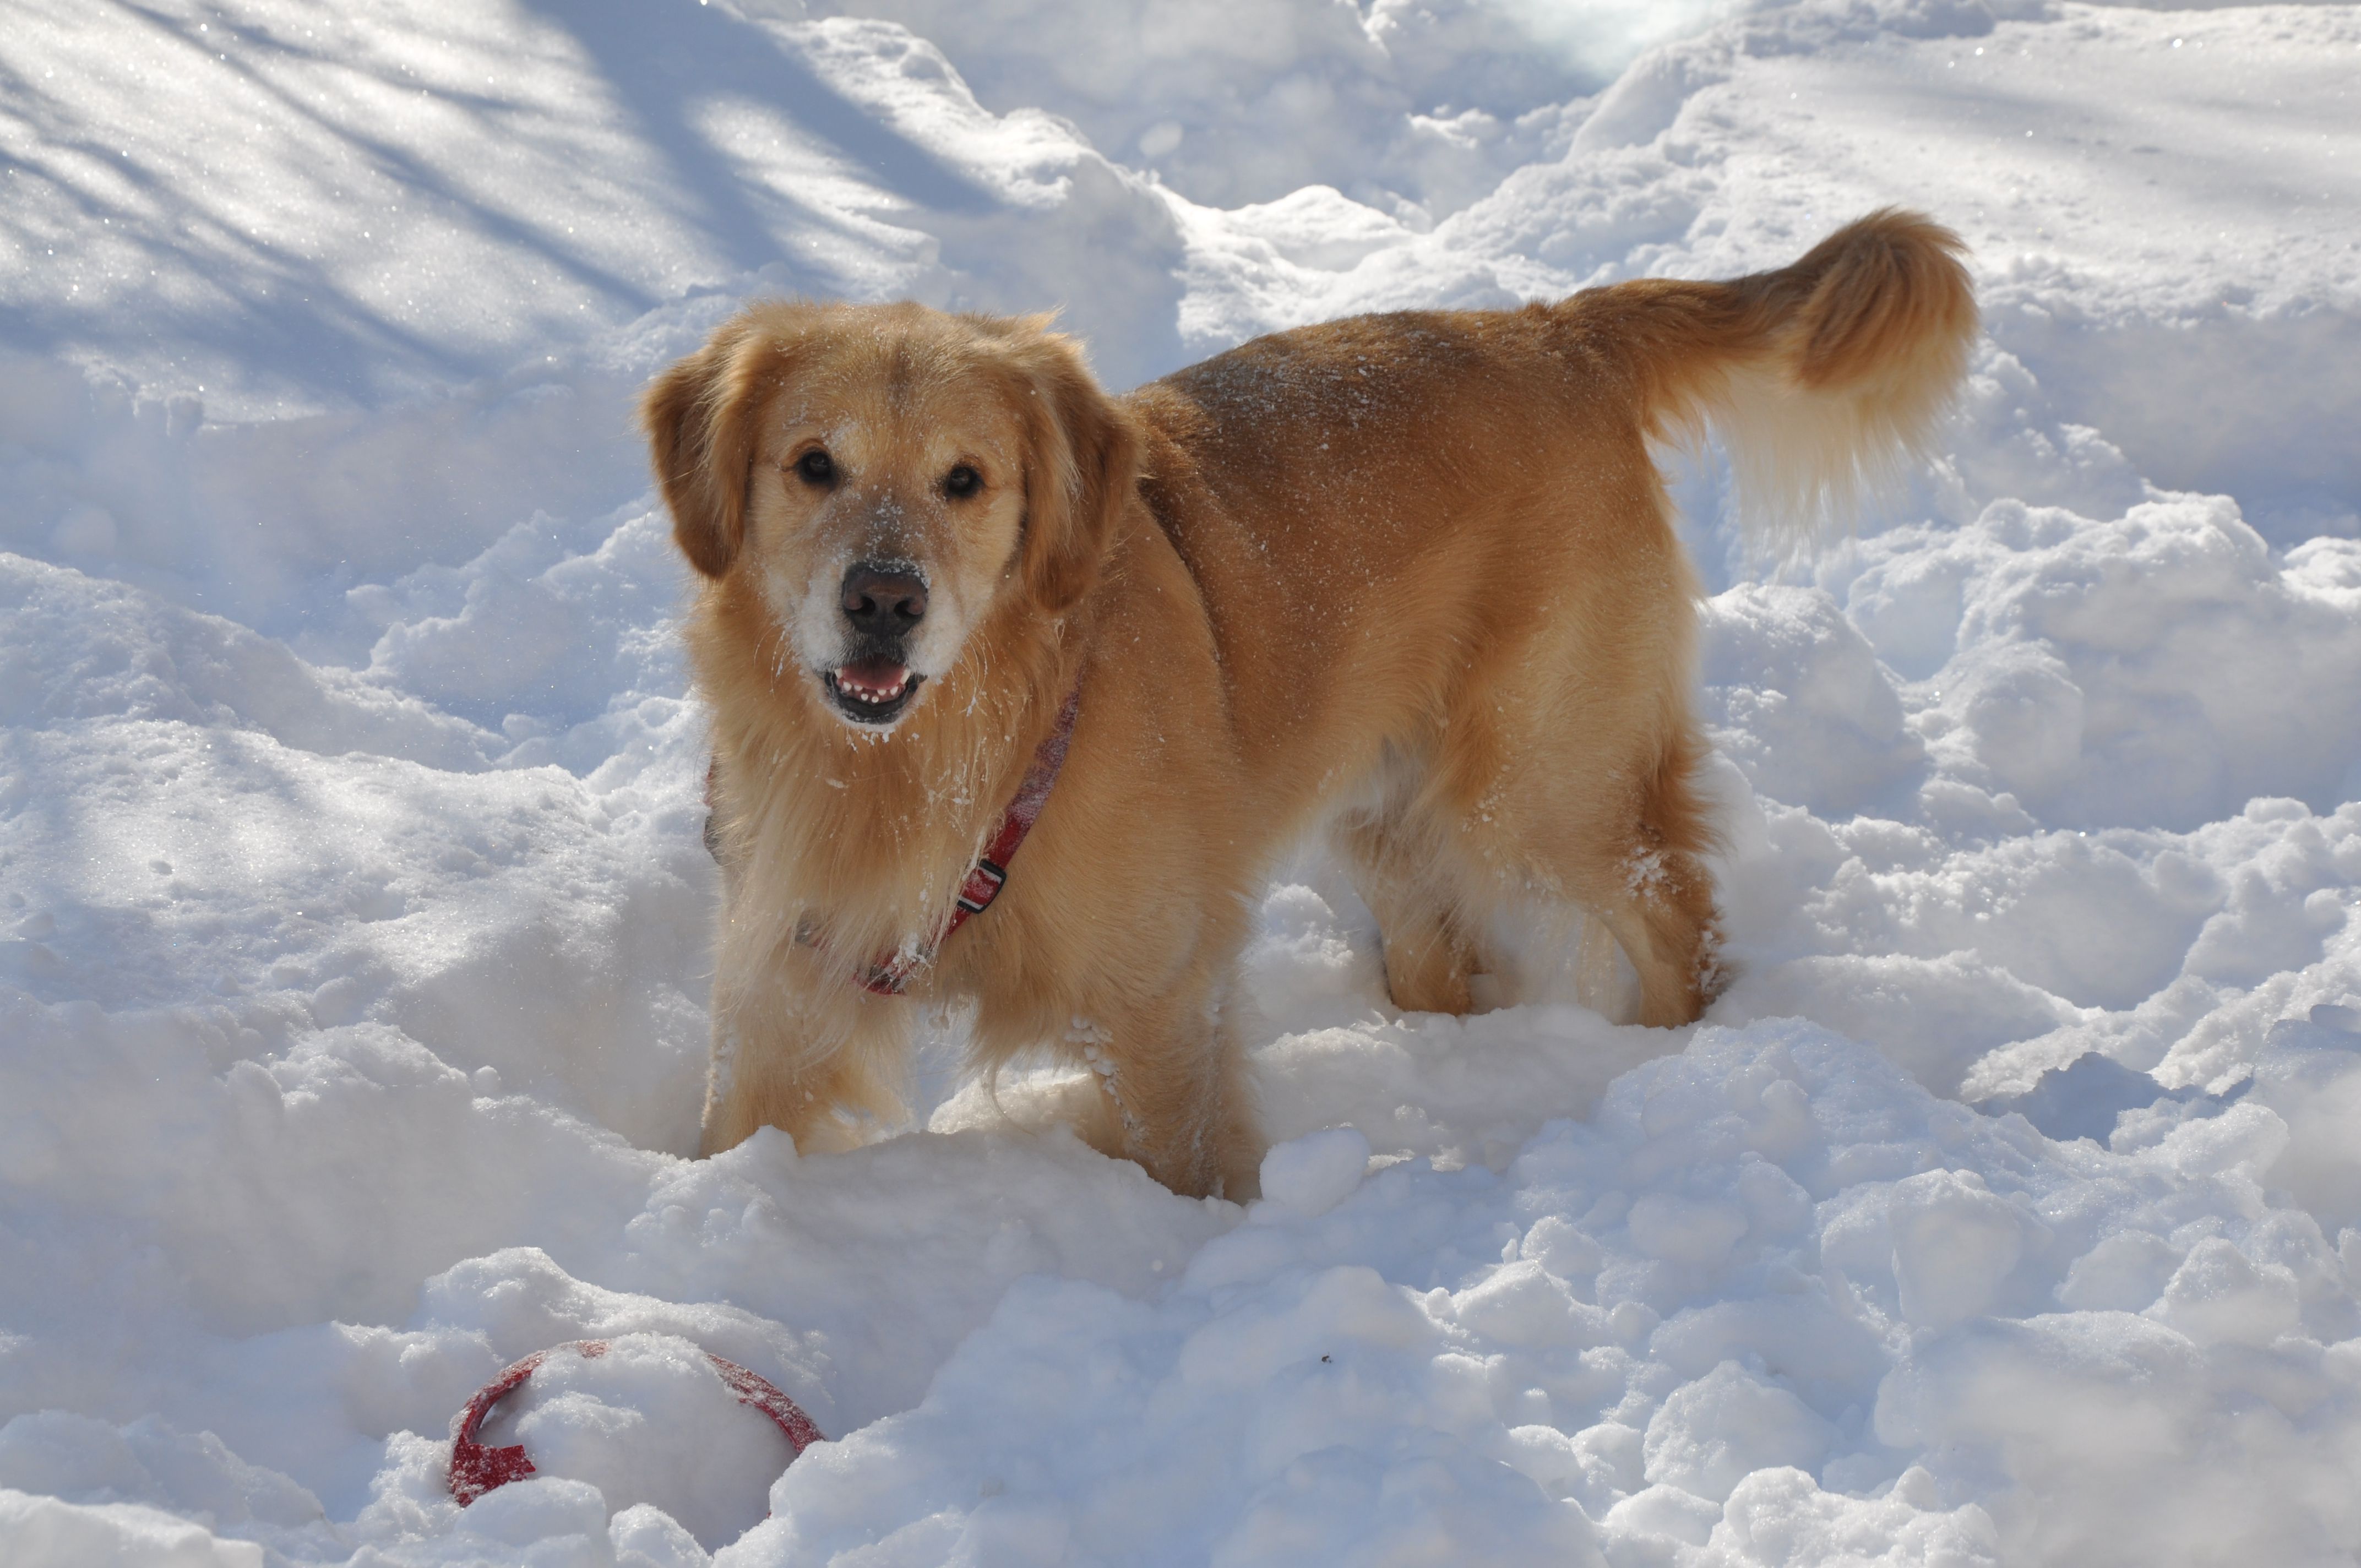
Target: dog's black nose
x,y
881,601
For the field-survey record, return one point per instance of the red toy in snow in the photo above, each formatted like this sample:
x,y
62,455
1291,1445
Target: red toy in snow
x,y
476,1469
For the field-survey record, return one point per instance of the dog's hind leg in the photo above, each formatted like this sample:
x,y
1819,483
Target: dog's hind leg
x,y
1399,864
1570,771
1634,858
1666,924
1672,892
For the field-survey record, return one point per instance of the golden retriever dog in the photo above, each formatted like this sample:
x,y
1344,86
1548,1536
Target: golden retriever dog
x,y
1409,579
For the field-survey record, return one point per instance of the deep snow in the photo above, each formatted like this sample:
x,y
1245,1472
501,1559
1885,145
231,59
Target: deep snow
x,y
2007,1210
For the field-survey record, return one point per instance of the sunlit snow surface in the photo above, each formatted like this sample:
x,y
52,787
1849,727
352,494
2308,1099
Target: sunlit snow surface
x,y
353,912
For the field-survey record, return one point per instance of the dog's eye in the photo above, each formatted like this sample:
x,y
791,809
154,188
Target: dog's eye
x,y
815,467
961,482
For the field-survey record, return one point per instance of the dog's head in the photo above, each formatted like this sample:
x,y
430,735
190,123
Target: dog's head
x,y
886,480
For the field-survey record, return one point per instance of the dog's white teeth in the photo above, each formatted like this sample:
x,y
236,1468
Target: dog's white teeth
x,y
873,696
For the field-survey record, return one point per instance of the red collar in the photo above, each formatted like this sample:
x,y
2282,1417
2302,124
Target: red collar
x,y
889,975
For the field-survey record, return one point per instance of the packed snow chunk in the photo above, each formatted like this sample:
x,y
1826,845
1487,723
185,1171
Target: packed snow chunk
x,y
527,1512
1318,227
2241,1144
1935,1017
2309,1072
1660,1514
81,649
43,1532
1312,961
548,623
1314,1173
2220,1295
647,1421
1711,1434
1287,1327
1797,696
1527,1306
2125,1273
82,1460
2157,669
1954,1242
1781,1519
1684,1229
2117,1440
644,1536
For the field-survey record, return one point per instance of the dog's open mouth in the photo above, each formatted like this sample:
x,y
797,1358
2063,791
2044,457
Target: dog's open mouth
x,y
874,692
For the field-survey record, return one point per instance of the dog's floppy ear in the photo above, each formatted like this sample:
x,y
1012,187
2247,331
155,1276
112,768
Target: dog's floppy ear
x,y
1084,469
699,416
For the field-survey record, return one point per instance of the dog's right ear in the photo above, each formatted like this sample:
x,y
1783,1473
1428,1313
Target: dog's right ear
x,y
699,416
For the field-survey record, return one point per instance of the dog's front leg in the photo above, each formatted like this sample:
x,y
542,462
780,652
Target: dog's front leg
x,y
1172,1083
805,1052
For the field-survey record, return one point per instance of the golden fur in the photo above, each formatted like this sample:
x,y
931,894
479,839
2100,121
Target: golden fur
x,y
1411,578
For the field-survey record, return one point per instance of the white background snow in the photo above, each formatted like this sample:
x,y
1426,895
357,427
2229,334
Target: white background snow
x,y
353,912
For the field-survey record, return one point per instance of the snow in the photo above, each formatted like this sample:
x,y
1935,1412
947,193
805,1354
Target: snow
x,y
354,914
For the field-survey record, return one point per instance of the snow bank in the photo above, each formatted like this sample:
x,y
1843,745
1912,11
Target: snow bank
x,y
353,914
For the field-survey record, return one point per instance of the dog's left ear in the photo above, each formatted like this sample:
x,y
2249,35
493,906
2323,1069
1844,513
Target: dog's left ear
x,y
699,416
1084,470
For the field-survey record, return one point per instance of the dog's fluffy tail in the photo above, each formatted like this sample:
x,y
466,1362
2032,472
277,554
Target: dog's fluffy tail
x,y
1822,380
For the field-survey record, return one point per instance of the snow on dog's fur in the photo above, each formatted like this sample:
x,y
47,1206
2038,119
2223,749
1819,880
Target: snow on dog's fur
x,y
1412,577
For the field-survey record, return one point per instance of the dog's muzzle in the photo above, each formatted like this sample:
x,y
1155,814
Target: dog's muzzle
x,y
882,604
